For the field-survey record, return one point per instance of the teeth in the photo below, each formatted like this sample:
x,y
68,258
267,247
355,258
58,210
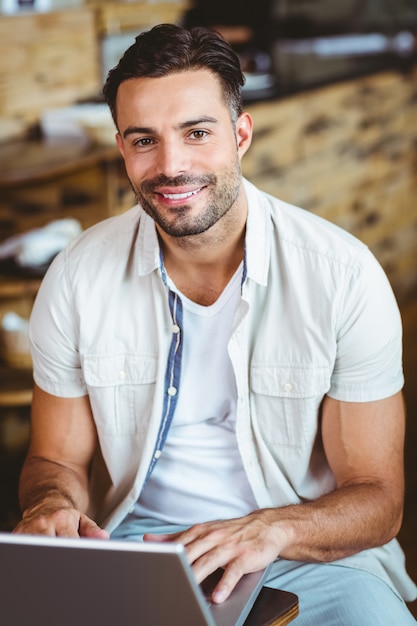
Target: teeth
x,y
180,196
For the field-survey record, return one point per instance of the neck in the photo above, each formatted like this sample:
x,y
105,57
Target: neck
x,y
202,265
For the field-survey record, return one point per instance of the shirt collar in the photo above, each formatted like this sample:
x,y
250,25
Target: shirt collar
x,y
148,259
258,235
257,240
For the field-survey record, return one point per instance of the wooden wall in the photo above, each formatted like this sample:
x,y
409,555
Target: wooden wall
x,y
47,60
53,59
348,152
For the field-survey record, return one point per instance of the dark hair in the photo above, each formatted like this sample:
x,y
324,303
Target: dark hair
x,y
169,49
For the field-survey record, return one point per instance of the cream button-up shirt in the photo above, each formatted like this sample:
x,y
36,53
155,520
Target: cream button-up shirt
x,y
316,316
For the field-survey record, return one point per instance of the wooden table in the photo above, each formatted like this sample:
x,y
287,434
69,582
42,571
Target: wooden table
x,y
274,607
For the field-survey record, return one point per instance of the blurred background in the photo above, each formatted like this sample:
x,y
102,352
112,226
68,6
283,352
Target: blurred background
x,y
332,88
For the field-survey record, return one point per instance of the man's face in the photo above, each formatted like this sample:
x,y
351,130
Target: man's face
x,y
181,149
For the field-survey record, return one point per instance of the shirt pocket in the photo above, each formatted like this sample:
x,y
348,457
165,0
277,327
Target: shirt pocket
x,y
285,401
121,388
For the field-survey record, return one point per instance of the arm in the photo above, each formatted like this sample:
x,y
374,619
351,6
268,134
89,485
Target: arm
x,y
364,447
53,489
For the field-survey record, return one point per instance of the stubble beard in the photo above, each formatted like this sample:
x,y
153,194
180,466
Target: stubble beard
x,y
223,196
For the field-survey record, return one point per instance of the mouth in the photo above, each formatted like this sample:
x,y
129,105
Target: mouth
x,y
182,191
179,196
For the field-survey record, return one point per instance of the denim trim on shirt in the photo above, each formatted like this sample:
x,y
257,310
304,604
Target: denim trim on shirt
x,y
172,372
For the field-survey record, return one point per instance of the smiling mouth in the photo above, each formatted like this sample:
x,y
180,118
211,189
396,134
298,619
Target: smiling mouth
x,y
180,196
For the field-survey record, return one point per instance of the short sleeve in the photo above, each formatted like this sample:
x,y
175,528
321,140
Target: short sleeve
x,y
53,336
369,337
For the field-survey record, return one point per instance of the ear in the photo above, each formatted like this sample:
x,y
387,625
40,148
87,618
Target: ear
x,y
244,127
119,142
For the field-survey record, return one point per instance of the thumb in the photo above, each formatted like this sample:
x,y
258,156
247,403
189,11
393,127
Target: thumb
x,y
88,528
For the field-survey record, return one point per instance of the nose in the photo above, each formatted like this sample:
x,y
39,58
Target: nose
x,y
172,158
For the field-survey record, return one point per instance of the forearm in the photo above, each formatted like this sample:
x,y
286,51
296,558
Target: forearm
x,y
54,483
352,518
53,499
47,484
344,522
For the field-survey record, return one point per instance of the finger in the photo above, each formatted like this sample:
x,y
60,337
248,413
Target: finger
x,y
64,523
88,528
160,538
209,550
25,528
232,574
183,536
59,523
203,552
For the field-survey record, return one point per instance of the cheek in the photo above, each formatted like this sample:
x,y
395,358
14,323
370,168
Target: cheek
x,y
137,170
217,160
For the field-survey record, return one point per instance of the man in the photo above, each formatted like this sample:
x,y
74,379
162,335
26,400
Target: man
x,y
216,354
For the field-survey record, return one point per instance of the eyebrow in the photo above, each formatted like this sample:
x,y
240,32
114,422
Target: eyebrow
x,y
206,119
148,130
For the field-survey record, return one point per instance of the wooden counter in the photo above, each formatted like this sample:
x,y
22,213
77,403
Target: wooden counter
x,y
41,181
29,162
348,152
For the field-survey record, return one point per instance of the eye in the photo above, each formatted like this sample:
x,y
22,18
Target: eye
x,y
198,134
143,142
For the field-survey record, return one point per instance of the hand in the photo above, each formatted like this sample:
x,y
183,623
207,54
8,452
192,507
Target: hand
x,y
240,546
59,522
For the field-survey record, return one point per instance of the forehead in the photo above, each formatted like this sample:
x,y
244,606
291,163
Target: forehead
x,y
172,97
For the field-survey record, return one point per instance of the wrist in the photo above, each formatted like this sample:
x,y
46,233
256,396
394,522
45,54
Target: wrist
x,y
47,500
284,527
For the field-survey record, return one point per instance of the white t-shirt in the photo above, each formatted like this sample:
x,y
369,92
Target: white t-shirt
x,y
200,474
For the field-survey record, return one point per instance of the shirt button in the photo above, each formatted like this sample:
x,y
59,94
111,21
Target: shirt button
x,y
122,375
171,391
175,329
157,454
288,387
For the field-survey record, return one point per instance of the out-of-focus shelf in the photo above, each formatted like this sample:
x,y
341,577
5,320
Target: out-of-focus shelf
x,y
15,387
26,162
20,287
44,180
119,17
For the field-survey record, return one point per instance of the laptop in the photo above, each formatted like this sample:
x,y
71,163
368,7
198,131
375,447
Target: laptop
x,y
51,581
